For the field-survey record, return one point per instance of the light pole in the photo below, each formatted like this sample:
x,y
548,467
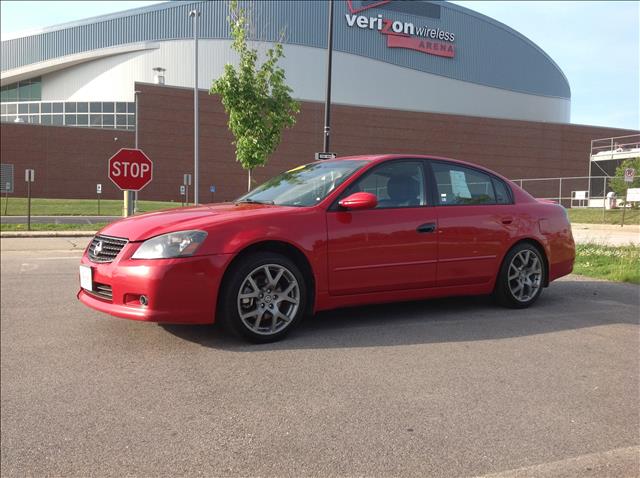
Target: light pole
x,y
195,14
134,207
327,103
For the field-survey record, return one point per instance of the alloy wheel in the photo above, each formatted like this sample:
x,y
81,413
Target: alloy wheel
x,y
524,275
268,299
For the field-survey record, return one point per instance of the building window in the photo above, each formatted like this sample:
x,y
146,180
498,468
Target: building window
x,y
95,114
9,93
27,90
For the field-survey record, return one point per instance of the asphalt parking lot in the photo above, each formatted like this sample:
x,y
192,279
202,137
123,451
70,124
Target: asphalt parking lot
x,y
456,387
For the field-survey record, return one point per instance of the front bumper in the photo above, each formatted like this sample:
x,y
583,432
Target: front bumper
x,y
183,290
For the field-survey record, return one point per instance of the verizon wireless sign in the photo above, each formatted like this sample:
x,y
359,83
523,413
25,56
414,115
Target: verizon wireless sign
x,y
429,40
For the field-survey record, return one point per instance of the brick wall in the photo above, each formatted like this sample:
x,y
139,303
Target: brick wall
x,y
70,161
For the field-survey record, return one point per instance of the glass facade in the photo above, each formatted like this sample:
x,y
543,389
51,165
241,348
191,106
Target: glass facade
x,y
106,114
27,90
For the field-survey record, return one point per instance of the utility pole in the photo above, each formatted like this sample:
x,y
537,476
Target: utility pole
x,y
195,14
327,103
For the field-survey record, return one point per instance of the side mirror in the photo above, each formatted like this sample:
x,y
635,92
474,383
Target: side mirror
x,y
359,201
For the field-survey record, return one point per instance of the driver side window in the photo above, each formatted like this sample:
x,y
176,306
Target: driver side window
x,y
395,184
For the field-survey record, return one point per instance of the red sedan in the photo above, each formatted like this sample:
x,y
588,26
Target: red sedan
x,y
344,232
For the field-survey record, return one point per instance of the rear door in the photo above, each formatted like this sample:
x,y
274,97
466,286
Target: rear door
x,y
475,222
391,247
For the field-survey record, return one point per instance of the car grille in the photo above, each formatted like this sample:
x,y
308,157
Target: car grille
x,y
102,291
105,248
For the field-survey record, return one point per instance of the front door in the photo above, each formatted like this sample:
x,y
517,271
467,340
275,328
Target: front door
x,y
391,247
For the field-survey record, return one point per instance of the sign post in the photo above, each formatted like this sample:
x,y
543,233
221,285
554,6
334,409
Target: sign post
x,y
629,175
212,189
130,170
29,177
182,191
6,197
98,192
6,182
186,180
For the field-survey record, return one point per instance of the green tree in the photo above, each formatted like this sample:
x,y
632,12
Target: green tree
x,y
255,96
618,185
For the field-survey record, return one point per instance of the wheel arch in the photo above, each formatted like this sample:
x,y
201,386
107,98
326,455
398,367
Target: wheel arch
x,y
280,247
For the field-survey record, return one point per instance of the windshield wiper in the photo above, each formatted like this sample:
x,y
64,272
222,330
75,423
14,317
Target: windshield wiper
x,y
253,201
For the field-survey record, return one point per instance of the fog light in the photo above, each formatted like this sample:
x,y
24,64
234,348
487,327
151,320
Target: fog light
x,y
144,300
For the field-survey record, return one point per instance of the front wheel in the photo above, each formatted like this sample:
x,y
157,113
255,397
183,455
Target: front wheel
x,y
264,298
521,277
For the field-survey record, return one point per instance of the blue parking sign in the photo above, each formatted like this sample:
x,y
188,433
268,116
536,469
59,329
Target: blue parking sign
x,y
212,189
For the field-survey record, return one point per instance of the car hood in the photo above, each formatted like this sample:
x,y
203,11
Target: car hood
x,y
145,226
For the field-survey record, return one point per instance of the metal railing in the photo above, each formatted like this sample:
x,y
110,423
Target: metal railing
x,y
616,143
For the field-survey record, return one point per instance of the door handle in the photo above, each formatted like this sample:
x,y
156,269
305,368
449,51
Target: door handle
x,y
507,220
428,227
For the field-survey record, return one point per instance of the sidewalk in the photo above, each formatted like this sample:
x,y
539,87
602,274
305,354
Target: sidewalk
x,y
44,244
58,219
12,234
606,234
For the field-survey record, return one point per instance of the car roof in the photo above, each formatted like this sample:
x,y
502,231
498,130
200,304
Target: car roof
x,y
378,158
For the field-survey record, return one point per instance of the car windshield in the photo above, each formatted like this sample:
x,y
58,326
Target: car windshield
x,y
305,185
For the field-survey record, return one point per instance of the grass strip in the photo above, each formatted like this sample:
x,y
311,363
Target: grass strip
x,y
594,216
75,207
615,263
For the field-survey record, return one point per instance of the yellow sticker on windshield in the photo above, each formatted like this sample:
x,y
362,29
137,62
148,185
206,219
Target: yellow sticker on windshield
x,y
296,169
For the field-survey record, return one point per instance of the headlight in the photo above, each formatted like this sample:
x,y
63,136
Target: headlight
x,y
174,244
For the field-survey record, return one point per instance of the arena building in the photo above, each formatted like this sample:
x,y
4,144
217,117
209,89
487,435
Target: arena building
x,y
405,55
408,76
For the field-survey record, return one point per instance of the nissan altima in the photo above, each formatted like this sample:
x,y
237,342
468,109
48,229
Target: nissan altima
x,y
344,232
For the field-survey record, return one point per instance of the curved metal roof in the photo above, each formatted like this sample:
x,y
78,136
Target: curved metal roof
x,y
487,52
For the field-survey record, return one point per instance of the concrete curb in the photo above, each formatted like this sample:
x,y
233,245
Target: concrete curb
x,y
606,227
13,234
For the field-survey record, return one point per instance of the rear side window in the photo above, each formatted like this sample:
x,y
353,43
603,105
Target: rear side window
x,y
458,185
503,194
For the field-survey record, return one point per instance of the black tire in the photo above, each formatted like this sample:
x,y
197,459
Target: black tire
x,y
504,289
231,304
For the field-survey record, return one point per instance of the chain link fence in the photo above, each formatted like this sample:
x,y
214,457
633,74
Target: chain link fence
x,y
576,191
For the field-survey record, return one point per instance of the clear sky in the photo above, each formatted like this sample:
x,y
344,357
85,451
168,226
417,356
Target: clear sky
x,y
597,44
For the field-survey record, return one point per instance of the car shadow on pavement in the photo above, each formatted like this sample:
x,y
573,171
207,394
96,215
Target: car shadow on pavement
x,y
566,305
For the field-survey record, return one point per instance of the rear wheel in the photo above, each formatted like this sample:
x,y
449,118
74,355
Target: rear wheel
x,y
265,297
521,277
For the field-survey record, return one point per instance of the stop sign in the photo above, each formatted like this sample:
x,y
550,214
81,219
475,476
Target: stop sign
x,y
130,169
